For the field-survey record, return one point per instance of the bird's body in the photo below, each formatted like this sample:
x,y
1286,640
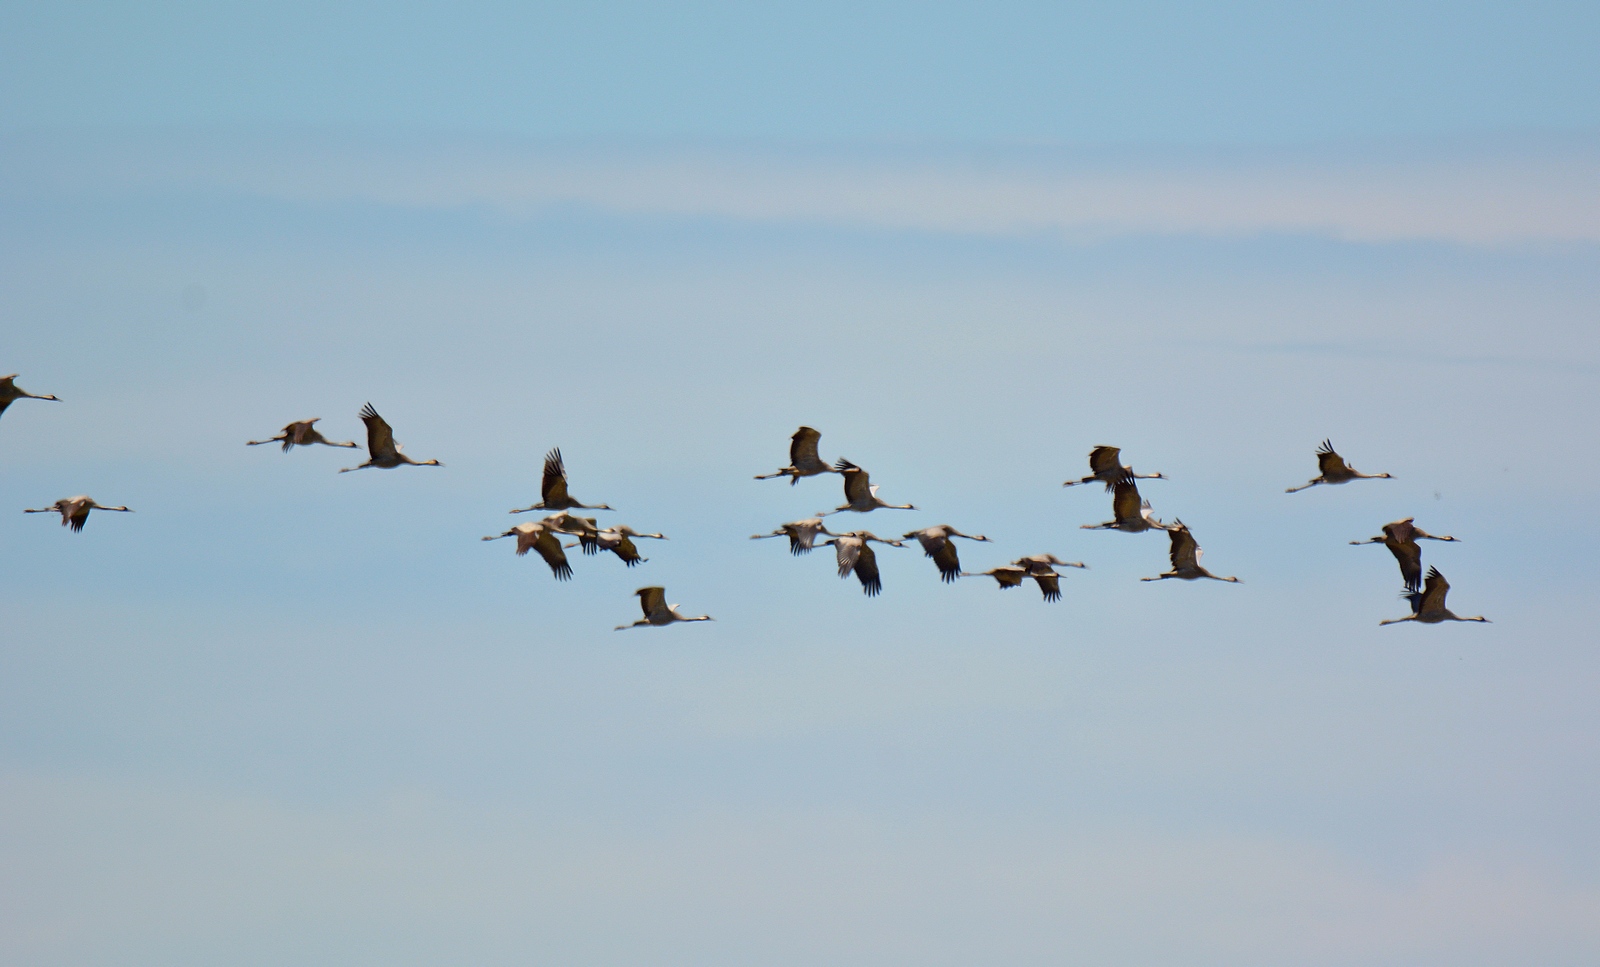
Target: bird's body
x,y
301,433
553,488
853,550
1132,514
802,534
10,392
585,529
1012,576
859,493
382,451
535,536
1185,555
74,511
619,541
1335,470
1427,605
1009,576
803,458
936,543
1401,537
657,611
1105,466
1036,563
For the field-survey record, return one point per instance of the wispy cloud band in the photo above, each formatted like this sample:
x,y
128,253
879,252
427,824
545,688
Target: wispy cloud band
x,y
1468,196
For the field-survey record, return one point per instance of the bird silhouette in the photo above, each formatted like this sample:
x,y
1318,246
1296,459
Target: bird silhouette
x,y
1335,470
300,433
382,451
657,611
1427,605
803,458
74,511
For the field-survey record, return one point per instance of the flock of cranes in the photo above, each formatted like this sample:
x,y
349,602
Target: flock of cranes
x,y
853,550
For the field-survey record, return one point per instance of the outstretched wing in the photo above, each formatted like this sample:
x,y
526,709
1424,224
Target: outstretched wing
x,y
1008,577
857,485
549,548
554,487
1125,501
948,563
1185,553
1433,591
653,601
380,437
1102,459
867,571
803,449
847,551
1049,585
1330,462
1409,556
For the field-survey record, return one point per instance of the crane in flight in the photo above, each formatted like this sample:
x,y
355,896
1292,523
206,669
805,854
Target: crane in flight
x,y
1335,470
1185,555
301,433
553,488
74,511
657,611
853,550
382,451
860,494
1131,514
618,540
1427,605
1105,466
803,458
1401,537
535,536
802,534
936,543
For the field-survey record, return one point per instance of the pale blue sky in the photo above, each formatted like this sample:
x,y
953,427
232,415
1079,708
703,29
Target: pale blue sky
x,y
280,715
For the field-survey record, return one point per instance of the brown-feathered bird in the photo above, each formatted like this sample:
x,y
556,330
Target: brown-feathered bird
x,y
534,536
860,494
74,511
1335,470
657,611
1009,576
802,534
803,458
853,551
553,488
618,540
300,433
1401,537
1185,555
936,543
1105,465
1132,514
382,451
1427,605
10,392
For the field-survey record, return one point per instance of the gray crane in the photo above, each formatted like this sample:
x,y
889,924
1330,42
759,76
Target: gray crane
x,y
1335,470
657,611
1401,537
1427,605
382,451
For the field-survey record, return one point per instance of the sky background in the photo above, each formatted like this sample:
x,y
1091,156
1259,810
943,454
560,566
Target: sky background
x,y
279,715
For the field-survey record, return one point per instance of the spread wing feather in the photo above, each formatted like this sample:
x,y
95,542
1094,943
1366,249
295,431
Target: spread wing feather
x,y
380,437
554,486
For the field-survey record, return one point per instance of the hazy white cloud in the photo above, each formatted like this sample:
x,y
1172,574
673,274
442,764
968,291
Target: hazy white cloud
x,y
1463,195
